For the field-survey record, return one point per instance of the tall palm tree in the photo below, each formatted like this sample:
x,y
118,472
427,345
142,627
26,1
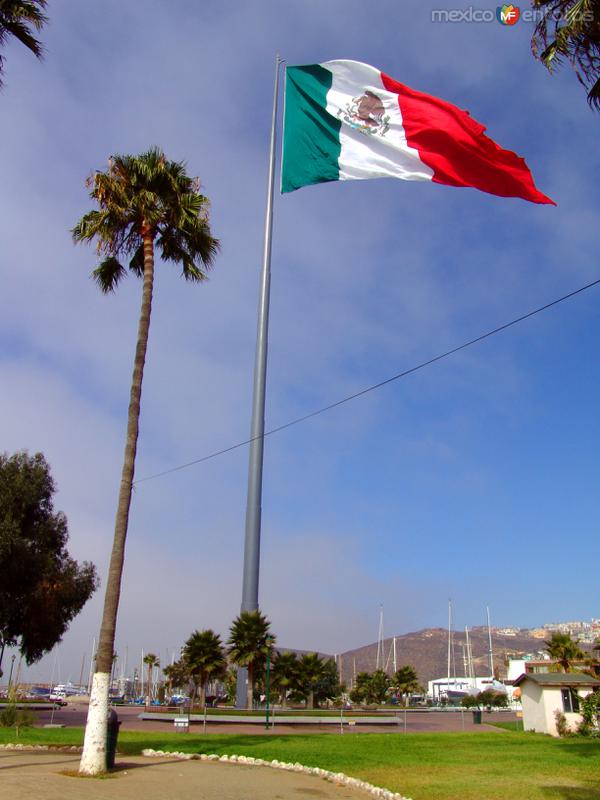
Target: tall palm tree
x,y
310,671
405,681
249,642
17,18
205,658
570,29
145,202
284,674
562,648
150,660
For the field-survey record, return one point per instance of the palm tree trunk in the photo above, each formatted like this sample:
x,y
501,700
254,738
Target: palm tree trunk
x,y
203,694
250,687
93,758
149,686
311,699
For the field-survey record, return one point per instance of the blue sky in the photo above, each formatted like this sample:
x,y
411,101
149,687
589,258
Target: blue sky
x,y
475,479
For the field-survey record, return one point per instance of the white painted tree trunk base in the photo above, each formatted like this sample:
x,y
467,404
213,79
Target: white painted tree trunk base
x,y
93,758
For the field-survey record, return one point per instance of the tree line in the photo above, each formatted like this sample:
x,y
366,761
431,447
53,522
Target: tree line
x,y
292,677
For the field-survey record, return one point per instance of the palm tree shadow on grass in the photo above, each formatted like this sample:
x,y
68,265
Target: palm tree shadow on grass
x,y
590,792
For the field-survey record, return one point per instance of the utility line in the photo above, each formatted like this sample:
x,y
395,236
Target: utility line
x,y
379,385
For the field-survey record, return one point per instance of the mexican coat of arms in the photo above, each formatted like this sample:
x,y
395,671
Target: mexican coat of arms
x,y
366,114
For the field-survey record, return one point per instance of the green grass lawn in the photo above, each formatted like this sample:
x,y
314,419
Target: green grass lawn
x,y
441,766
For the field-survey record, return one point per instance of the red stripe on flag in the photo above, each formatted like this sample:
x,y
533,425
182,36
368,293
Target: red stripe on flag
x,y
456,148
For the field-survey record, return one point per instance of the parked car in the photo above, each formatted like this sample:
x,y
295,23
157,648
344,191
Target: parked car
x,y
58,698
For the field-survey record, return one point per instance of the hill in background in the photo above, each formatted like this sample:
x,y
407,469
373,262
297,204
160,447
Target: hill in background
x,y
427,652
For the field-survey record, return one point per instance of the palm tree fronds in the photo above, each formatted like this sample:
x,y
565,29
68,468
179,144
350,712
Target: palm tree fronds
x,y
145,194
17,17
108,274
594,96
570,29
136,264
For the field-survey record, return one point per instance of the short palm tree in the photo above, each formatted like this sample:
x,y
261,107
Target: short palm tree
x,y
570,29
205,658
360,688
284,674
249,642
177,675
17,18
310,671
564,650
151,661
146,202
405,681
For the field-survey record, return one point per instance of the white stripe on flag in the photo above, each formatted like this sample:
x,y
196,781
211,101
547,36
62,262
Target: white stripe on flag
x,y
365,155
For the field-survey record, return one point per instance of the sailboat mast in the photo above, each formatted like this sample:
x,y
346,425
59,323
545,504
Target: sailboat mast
x,y
449,642
469,655
380,654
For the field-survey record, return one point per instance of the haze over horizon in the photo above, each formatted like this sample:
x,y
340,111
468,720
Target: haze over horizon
x,y
474,479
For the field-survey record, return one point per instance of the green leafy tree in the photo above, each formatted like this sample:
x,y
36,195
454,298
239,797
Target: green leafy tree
x,y
487,699
405,682
370,687
589,708
593,662
41,587
249,642
146,203
564,650
284,674
150,660
18,18
205,658
570,30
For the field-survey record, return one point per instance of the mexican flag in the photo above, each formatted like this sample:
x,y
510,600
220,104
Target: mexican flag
x,y
345,120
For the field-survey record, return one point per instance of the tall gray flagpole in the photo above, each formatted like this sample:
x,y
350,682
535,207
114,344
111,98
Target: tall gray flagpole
x,y
257,429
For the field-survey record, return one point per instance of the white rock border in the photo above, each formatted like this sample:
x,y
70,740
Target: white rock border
x,y
332,777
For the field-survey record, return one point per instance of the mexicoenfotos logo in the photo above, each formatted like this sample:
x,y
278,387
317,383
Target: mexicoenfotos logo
x,y
508,14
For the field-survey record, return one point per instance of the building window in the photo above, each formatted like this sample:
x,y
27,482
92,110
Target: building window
x,y
570,700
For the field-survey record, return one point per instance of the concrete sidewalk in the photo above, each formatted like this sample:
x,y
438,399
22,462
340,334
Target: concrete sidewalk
x,y
29,775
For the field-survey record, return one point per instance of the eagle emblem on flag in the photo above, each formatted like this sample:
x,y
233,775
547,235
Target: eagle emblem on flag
x,y
366,113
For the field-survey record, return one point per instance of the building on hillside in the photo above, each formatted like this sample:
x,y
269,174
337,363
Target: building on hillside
x,y
543,694
538,633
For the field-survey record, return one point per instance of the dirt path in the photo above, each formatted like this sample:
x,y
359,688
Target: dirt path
x,y
31,775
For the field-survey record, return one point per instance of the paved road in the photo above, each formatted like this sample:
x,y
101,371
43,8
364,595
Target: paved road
x,y
75,713
29,776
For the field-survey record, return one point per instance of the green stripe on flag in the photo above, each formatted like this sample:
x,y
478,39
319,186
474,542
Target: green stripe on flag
x,y
311,136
